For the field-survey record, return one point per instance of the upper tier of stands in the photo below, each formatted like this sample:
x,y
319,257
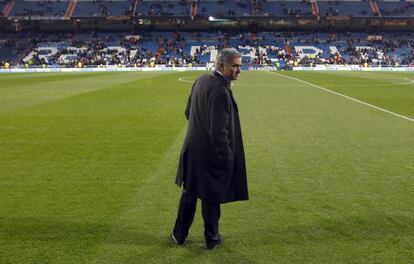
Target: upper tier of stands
x,y
162,8
224,8
2,5
345,8
396,8
102,8
285,8
205,8
39,8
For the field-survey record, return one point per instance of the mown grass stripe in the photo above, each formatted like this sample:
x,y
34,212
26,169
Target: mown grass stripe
x,y
141,219
345,96
28,95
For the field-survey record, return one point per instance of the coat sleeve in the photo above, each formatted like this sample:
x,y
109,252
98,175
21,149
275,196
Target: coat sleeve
x,y
187,108
219,129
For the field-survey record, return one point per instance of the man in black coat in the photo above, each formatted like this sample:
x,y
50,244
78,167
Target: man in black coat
x,y
212,164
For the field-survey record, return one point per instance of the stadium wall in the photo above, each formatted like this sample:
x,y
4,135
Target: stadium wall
x,y
181,69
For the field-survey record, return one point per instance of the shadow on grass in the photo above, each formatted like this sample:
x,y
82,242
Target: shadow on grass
x,y
125,244
59,230
377,228
196,252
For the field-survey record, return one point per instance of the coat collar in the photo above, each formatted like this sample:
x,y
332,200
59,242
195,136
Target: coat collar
x,y
226,82
219,76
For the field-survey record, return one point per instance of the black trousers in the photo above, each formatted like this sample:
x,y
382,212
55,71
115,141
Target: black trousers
x,y
185,217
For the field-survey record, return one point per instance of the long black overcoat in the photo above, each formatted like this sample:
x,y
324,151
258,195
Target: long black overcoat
x,y
212,163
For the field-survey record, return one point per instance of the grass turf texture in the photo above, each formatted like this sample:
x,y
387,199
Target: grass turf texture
x,y
87,164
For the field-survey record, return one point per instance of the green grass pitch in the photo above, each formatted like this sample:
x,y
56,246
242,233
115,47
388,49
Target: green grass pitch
x,y
88,160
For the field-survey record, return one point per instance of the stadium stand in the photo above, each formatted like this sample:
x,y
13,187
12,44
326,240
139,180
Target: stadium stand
x,y
205,8
220,8
344,8
2,5
7,6
87,8
285,8
39,8
199,48
396,8
162,8
140,45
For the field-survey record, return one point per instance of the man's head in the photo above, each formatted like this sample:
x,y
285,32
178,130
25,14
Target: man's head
x,y
228,62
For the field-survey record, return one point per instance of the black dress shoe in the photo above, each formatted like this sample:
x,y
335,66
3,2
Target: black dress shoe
x,y
177,241
213,244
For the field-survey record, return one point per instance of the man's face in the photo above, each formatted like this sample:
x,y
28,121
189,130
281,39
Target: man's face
x,y
232,70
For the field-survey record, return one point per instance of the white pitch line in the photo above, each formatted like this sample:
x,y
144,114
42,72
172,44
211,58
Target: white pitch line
x,y
348,97
182,79
377,84
410,81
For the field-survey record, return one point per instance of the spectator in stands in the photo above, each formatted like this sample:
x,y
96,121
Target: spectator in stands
x,y
175,50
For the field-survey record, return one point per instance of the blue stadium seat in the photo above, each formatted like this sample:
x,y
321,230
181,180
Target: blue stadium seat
x,y
163,8
283,8
223,8
39,8
396,8
352,8
3,3
85,8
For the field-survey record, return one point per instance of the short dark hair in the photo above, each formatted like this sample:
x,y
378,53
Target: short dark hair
x,y
226,56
